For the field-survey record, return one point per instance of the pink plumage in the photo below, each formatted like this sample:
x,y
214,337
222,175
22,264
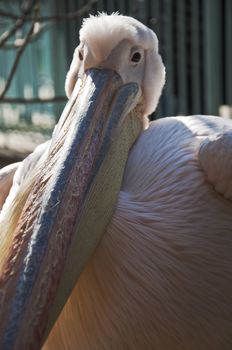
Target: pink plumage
x,y
161,277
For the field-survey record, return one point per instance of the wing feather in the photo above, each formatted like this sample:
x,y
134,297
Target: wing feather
x,y
6,180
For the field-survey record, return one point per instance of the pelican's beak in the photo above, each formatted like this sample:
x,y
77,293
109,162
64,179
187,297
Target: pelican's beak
x,y
70,205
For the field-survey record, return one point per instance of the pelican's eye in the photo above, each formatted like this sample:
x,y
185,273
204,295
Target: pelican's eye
x,y
136,57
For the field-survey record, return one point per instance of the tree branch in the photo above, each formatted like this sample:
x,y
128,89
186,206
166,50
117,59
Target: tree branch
x,y
20,42
18,55
56,17
22,100
9,15
17,58
6,35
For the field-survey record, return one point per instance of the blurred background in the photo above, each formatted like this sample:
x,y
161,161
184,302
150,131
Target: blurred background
x,y
38,37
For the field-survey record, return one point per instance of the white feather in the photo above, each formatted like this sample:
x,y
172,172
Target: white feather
x,y
161,276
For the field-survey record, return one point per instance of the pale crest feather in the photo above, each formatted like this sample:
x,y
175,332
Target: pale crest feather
x,y
103,33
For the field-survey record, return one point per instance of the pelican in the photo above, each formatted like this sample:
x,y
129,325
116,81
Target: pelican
x,y
116,234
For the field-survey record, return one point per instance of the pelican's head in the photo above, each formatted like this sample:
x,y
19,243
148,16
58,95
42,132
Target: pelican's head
x,y
124,45
114,81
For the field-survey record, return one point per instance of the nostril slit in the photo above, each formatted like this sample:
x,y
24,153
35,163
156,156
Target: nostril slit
x,y
80,56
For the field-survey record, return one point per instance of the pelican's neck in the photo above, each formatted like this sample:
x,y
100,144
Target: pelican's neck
x,y
99,206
